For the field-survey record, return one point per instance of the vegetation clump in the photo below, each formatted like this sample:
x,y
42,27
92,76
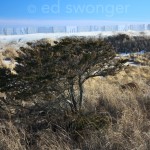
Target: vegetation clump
x,y
73,94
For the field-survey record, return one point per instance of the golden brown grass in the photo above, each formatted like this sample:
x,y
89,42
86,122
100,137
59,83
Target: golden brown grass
x,y
10,138
8,53
128,112
129,108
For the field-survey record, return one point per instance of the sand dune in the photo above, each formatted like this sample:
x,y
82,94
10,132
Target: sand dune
x,y
38,36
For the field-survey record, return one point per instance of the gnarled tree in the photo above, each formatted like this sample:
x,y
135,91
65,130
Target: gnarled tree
x,y
60,68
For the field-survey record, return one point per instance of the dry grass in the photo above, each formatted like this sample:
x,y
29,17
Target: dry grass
x,y
11,137
129,109
51,141
9,53
125,111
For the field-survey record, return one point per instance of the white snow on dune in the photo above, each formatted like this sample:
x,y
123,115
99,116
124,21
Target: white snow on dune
x,y
37,36
16,41
20,40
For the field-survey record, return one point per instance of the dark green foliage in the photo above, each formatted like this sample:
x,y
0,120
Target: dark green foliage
x,y
52,78
44,68
124,43
82,122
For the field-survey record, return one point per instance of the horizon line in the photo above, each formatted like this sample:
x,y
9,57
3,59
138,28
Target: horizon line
x,y
37,22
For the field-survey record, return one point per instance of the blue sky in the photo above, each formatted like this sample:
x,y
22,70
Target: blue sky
x,y
44,11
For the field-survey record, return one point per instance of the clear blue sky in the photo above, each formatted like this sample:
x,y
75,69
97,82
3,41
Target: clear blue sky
x,y
108,10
